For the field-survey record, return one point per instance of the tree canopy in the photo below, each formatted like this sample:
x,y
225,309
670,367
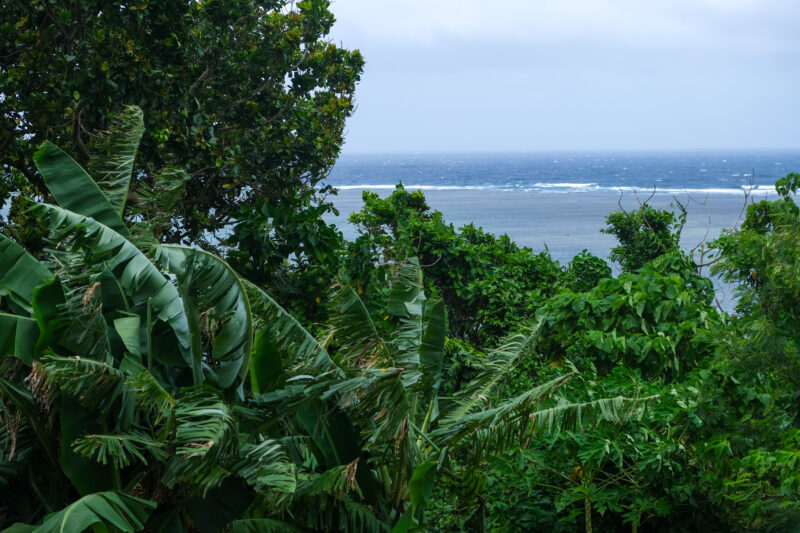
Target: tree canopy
x,y
247,96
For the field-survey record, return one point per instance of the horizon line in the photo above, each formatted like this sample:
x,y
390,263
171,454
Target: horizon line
x,y
485,151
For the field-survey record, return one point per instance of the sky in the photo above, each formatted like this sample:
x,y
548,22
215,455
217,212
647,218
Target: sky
x,y
545,75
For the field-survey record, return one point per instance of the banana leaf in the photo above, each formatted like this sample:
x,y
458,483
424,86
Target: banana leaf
x,y
74,189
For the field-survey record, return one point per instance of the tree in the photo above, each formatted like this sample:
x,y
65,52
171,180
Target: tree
x,y
489,284
643,235
126,373
762,259
246,95
185,397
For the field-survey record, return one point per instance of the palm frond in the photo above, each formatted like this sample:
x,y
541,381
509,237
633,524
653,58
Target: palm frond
x,y
504,422
112,165
358,517
120,448
95,383
336,481
582,416
151,397
377,401
205,423
360,345
205,436
266,466
499,362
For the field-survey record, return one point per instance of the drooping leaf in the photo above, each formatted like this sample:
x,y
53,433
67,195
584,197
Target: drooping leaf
x,y
48,299
20,273
420,488
120,448
498,364
431,349
501,423
109,509
18,337
205,433
74,189
266,366
87,475
266,466
129,330
214,287
112,167
134,272
301,351
360,344
584,415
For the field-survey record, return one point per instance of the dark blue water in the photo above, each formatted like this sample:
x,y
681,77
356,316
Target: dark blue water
x,y
716,172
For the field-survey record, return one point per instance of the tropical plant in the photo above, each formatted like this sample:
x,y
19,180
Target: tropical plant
x,y
248,96
142,391
489,285
388,388
657,320
129,371
643,234
584,272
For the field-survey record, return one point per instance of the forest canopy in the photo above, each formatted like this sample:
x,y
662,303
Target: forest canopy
x,y
248,97
187,345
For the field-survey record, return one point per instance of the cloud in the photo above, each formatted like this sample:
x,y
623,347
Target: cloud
x,y
572,74
745,24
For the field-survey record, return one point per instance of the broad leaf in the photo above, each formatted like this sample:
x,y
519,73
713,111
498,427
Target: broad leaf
x,y
74,189
20,273
110,509
301,352
134,272
18,337
360,344
208,285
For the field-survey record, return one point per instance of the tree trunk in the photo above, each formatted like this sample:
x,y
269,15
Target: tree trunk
x,y
587,511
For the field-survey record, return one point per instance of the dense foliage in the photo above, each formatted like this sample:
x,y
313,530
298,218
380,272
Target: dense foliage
x,y
489,284
247,96
419,378
149,386
643,234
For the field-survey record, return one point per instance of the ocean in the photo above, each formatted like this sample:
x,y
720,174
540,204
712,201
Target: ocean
x,y
559,201
696,172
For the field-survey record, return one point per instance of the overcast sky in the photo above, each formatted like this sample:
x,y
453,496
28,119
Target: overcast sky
x,y
528,75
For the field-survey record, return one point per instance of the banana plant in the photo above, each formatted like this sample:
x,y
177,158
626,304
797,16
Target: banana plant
x,y
148,385
387,387
131,361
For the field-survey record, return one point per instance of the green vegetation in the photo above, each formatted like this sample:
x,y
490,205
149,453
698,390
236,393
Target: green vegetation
x,y
280,378
248,97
